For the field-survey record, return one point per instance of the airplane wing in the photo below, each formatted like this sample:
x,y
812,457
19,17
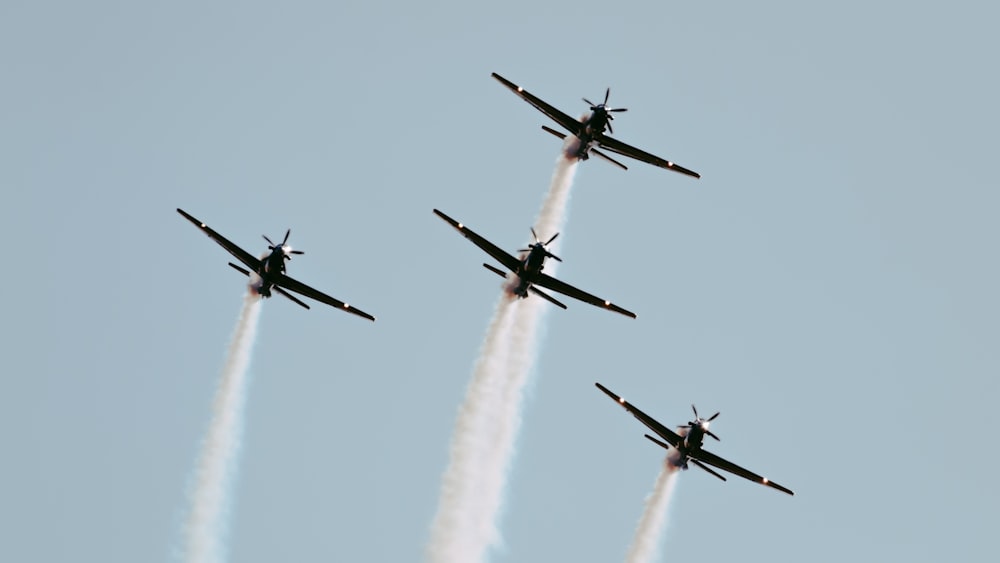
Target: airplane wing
x,y
667,434
509,262
566,289
237,252
712,459
614,145
292,284
574,126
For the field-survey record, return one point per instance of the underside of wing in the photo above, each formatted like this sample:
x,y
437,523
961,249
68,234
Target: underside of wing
x,y
662,431
292,284
574,126
725,465
237,252
614,145
570,291
509,262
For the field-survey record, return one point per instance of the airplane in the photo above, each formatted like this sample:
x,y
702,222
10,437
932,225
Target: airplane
x,y
268,272
688,443
589,131
529,267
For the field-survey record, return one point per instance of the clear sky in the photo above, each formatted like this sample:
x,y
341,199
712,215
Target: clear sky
x,y
829,284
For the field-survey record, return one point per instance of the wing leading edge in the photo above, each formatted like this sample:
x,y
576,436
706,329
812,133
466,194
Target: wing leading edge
x,y
616,146
292,284
568,123
725,465
550,282
662,431
237,252
509,262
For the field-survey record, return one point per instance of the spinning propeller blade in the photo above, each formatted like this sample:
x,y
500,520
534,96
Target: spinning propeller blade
x,y
283,245
541,245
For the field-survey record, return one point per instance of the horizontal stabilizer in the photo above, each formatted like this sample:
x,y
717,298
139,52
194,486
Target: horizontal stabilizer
x,y
663,445
290,296
705,467
554,132
609,159
546,296
495,270
240,270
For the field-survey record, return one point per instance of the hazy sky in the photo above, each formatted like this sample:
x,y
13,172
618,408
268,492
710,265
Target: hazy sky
x,y
830,284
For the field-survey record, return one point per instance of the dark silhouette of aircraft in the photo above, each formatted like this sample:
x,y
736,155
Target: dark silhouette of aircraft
x,y
268,272
589,131
529,269
688,443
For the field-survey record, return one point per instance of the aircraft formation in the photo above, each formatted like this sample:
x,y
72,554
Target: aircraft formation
x,y
524,272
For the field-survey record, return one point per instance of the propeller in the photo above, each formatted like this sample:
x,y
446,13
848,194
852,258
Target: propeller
x,y
542,245
703,423
286,250
709,419
604,107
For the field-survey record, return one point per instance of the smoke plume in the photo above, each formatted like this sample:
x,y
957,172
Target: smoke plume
x,y
654,517
206,525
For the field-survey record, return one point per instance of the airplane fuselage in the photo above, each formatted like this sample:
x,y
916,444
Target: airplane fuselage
x,y
530,267
693,438
271,264
594,125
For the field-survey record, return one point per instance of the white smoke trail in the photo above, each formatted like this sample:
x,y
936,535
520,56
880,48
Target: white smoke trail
x,y
216,471
528,317
552,215
654,517
470,493
482,446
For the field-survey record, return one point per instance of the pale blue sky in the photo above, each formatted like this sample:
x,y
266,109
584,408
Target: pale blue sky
x,y
829,285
